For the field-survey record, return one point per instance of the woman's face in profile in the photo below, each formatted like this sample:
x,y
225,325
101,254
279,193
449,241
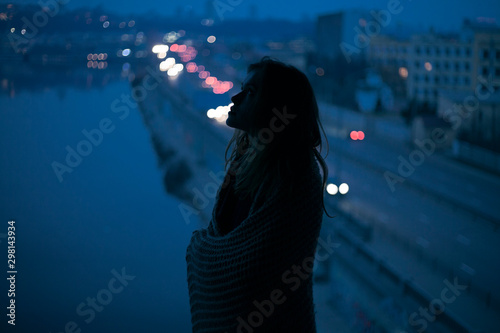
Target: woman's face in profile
x,y
243,113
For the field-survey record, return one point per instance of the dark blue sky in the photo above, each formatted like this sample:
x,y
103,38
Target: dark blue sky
x,y
443,14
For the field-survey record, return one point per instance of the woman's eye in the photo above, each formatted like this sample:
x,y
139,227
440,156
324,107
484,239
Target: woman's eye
x,y
248,91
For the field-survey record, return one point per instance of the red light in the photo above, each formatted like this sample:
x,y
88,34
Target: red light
x,y
174,47
203,75
357,135
211,80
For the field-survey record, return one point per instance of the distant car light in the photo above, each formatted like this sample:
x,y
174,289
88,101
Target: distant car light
x,y
332,189
343,188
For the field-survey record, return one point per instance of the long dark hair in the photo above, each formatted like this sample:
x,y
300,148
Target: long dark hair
x,y
273,153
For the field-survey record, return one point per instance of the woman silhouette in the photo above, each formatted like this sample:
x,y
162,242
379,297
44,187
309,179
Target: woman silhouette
x,y
250,270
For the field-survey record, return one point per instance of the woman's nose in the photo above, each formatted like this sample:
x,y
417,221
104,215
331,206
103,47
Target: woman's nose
x,y
237,98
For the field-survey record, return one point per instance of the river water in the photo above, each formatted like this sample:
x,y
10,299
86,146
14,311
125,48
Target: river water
x,y
83,220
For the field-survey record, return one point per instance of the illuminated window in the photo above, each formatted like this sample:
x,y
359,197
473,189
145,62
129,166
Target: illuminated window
x,y
403,72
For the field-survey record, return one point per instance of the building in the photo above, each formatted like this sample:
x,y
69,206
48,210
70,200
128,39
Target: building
x,y
457,75
340,30
476,121
425,64
389,56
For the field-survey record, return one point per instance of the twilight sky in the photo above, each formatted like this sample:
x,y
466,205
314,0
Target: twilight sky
x,y
443,14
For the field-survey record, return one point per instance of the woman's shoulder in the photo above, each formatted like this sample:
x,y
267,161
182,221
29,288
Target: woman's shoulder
x,y
301,178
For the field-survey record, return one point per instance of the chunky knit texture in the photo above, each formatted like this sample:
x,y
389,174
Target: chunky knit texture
x,y
269,253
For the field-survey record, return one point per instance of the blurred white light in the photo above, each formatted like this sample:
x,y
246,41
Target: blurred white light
x,y
105,24
221,118
164,66
161,55
211,39
220,113
160,48
171,37
167,64
172,72
178,67
170,61
332,189
343,188
23,31
126,52
12,30
211,113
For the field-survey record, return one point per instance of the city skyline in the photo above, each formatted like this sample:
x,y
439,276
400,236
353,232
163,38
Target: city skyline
x,y
449,15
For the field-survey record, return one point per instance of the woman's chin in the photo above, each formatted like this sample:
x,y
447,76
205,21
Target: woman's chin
x,y
229,121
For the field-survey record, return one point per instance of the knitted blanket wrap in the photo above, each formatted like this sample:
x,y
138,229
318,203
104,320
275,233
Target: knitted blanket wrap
x,y
228,274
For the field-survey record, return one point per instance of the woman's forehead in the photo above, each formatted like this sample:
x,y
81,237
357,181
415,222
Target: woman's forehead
x,y
252,78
